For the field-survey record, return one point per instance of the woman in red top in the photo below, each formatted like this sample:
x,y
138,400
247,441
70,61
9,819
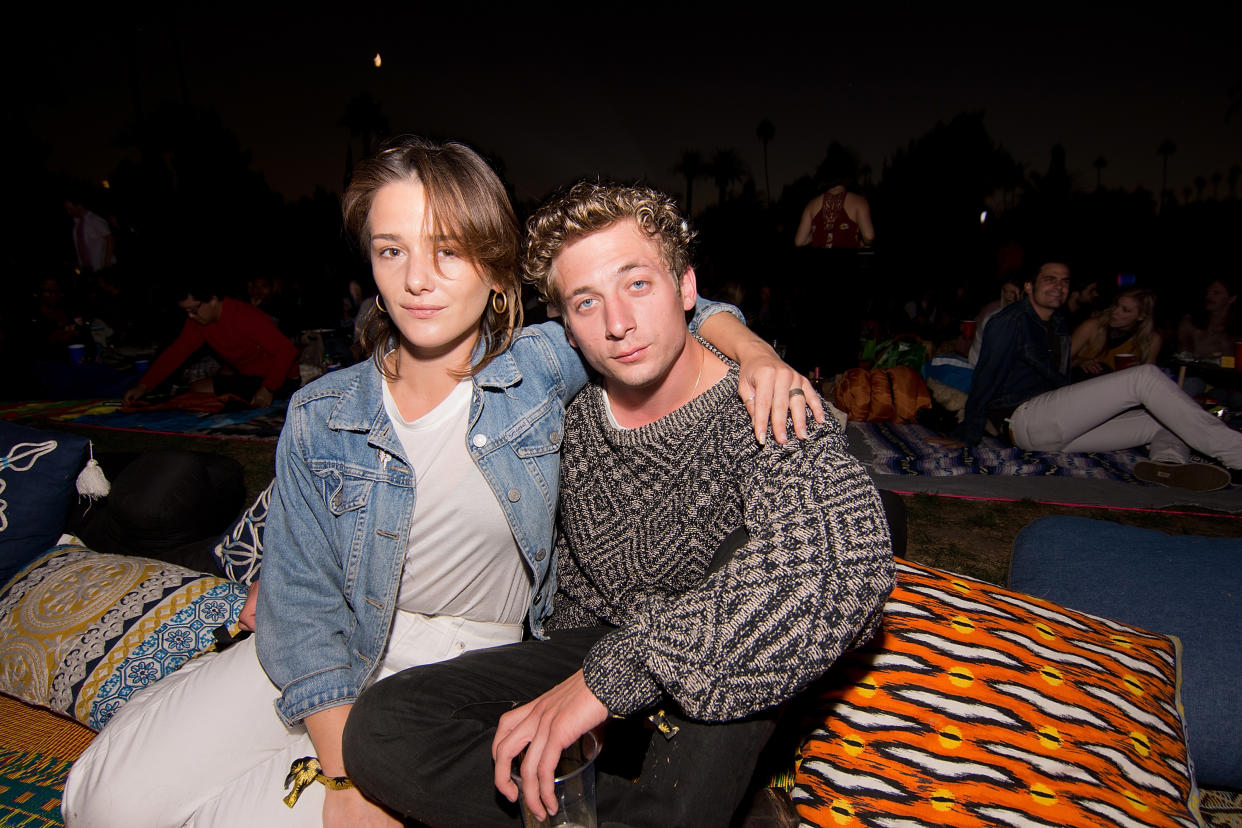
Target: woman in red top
x,y
836,219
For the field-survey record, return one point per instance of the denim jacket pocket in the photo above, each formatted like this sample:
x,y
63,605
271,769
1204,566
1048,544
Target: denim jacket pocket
x,y
343,494
539,432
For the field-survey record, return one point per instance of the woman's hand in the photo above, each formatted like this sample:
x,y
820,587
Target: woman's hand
x,y
770,388
1092,366
245,618
349,808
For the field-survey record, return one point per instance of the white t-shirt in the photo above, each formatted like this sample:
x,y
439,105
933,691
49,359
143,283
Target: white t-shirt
x,y
462,559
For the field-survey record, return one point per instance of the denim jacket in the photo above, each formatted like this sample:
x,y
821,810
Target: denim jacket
x,y
341,511
1022,357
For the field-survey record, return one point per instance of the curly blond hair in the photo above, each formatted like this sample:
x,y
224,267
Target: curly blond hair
x,y
589,206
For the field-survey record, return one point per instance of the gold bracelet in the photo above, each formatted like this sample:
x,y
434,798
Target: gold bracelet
x,y
306,770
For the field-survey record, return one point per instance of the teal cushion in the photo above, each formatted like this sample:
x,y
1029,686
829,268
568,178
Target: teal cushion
x,y
1185,586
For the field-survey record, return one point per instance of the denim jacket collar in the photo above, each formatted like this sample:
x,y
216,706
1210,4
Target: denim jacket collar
x,y
361,406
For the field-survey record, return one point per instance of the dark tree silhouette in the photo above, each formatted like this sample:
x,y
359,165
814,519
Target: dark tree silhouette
x,y
1166,148
1235,172
1217,177
1100,163
726,168
765,132
691,166
366,121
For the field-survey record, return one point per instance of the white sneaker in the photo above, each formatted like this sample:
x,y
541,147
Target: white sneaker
x,y
1198,477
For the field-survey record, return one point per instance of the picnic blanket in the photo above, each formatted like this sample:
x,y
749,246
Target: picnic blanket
x,y
904,450
243,422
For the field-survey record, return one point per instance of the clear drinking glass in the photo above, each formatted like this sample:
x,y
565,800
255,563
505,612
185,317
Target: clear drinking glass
x,y
574,788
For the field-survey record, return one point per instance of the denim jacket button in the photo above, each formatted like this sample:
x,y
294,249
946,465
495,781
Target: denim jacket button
x,y
540,555
479,440
554,437
514,495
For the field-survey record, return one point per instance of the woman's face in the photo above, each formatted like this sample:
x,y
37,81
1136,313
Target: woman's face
x,y
1125,313
435,296
1010,293
1217,297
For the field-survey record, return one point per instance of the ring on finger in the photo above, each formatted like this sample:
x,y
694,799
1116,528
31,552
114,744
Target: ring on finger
x,y
796,392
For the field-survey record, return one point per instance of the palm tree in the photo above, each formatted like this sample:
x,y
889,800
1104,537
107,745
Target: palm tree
x,y
1217,177
1099,163
726,167
1166,148
691,166
765,132
365,120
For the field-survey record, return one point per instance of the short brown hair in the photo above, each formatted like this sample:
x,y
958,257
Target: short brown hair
x,y
589,206
468,204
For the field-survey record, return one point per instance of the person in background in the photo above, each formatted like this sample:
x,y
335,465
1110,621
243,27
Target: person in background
x,y
836,218
1127,326
264,360
1010,292
1212,330
1081,303
1022,386
93,241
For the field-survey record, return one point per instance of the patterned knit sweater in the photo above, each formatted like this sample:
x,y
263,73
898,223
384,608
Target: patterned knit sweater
x,y
641,513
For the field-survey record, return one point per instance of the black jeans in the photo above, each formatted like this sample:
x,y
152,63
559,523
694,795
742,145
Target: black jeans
x,y
420,742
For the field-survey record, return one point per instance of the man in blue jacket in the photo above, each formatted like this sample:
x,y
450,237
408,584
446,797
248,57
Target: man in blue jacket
x,y
1021,386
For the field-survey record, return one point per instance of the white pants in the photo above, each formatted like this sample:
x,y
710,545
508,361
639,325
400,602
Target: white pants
x,y
1134,407
205,747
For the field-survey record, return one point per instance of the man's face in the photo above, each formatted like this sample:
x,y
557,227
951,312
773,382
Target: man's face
x,y
1049,289
622,306
204,313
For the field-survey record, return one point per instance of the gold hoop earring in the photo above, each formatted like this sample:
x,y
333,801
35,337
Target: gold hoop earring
x,y
501,306
379,307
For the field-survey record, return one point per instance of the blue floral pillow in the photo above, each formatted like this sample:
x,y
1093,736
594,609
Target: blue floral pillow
x,y
38,471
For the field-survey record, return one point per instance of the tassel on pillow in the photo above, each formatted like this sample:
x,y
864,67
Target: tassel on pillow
x,y
91,481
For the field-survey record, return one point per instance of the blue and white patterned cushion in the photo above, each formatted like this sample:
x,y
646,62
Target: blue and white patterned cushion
x,y
239,553
81,631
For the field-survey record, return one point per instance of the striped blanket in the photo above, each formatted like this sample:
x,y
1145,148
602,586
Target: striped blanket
x,y
904,450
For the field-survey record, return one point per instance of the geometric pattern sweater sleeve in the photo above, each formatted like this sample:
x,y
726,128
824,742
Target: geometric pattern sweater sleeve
x,y
643,510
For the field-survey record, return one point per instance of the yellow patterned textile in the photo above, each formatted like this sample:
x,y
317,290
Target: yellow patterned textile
x,y
81,631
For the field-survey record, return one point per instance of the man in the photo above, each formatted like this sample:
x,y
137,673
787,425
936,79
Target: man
x,y
242,336
1021,385
663,610
92,237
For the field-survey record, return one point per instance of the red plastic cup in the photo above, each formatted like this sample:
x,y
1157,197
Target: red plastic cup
x,y
968,329
1124,361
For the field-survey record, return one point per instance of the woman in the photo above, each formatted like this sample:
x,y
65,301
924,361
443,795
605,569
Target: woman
x,y
1126,327
411,521
836,219
1211,331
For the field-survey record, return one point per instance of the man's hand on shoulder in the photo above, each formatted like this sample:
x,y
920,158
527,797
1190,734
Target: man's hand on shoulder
x,y
544,727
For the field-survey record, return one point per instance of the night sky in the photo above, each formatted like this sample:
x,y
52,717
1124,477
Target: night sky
x,y
562,94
